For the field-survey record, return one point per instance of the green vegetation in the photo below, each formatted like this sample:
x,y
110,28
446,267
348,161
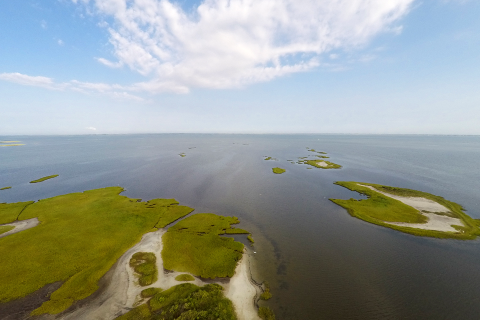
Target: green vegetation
x,y
266,313
326,164
185,301
266,294
278,170
184,277
270,158
236,231
5,188
9,212
380,209
79,238
150,292
182,155
4,229
10,143
250,238
322,157
144,264
194,245
44,178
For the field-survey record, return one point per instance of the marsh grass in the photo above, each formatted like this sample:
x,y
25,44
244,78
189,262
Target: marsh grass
x,y
379,209
182,155
4,229
194,245
144,264
79,238
184,277
44,178
5,188
185,301
278,170
150,292
9,212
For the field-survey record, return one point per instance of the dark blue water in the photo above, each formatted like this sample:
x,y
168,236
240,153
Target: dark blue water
x,y
321,263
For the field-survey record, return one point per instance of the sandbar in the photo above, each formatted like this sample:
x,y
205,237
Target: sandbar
x,y
20,226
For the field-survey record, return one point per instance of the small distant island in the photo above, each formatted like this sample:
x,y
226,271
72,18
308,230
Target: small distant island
x,y
10,143
410,211
6,188
44,178
278,170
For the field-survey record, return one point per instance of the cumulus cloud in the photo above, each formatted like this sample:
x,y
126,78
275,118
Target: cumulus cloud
x,y
232,43
91,128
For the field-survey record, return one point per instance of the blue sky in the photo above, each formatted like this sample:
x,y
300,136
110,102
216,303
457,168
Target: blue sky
x,y
240,66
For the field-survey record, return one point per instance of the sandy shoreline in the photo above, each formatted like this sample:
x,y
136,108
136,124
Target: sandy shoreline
x,y
435,221
123,291
20,226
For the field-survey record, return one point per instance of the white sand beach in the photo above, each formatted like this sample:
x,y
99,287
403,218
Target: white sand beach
x,y
435,221
20,226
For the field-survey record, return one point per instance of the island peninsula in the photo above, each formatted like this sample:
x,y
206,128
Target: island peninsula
x,y
122,245
410,211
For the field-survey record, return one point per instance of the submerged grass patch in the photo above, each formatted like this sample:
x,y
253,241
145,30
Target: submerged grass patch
x,y
79,238
194,245
44,178
4,229
380,209
266,294
185,301
184,277
144,264
266,313
278,170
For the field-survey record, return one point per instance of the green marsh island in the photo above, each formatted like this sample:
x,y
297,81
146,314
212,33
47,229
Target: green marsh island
x,y
129,248
44,178
5,188
278,170
410,211
11,143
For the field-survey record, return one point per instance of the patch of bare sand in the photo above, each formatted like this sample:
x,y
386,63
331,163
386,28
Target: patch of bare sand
x,y
123,291
242,292
20,226
435,221
322,163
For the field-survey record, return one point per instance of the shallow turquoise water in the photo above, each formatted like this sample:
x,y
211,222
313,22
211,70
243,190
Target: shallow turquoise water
x,y
321,263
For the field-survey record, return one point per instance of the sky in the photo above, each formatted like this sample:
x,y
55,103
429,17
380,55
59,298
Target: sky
x,y
239,66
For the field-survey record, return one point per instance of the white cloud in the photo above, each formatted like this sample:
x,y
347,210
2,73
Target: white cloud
x,y
36,81
232,43
43,24
91,128
115,90
60,42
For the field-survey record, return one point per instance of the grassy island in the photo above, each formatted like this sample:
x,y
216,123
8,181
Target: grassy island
x,y
144,265
185,301
95,228
184,277
322,164
5,188
411,211
10,143
194,245
183,155
278,170
44,178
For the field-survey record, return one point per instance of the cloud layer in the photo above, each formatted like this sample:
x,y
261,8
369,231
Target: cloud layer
x,y
231,43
